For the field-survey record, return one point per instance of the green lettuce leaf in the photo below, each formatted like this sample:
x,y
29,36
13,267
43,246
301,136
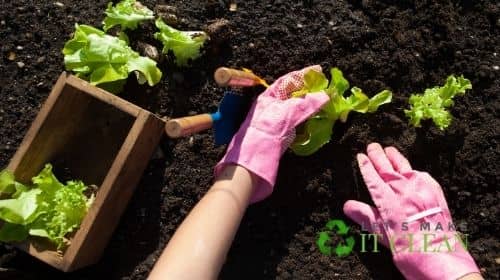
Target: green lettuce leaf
x,y
9,186
434,102
106,60
7,182
317,131
380,98
185,45
21,210
338,82
49,209
13,232
313,82
61,207
127,14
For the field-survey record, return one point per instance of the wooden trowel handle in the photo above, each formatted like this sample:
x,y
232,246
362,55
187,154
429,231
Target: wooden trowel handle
x,y
231,77
180,127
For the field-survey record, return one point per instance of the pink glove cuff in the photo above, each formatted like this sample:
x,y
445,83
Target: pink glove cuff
x,y
262,161
434,265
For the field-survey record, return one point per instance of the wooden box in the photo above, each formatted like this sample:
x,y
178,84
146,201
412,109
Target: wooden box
x,y
102,140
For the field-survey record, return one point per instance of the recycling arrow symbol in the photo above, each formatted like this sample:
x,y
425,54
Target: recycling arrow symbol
x,y
343,248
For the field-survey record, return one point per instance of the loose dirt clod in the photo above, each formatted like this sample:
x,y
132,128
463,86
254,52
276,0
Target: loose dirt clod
x,y
12,56
149,51
168,13
219,30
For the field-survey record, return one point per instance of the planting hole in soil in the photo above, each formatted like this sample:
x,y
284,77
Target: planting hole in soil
x,y
405,47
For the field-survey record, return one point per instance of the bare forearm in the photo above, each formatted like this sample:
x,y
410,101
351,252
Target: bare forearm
x,y
472,276
199,246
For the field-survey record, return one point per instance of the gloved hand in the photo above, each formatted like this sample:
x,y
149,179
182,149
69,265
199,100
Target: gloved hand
x,y
405,199
269,129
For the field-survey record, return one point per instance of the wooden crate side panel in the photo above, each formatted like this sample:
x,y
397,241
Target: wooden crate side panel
x,y
37,123
52,258
91,149
113,196
55,134
104,96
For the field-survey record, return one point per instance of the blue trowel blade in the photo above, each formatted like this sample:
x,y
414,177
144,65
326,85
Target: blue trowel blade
x,y
231,113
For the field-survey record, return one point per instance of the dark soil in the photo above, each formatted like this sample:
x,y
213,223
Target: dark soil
x,y
402,45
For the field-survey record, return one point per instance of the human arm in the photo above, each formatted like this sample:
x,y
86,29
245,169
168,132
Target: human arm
x,y
199,246
472,276
246,174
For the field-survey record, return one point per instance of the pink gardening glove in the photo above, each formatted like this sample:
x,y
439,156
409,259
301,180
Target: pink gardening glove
x,y
269,129
405,199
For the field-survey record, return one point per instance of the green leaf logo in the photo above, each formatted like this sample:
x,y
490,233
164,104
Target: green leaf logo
x,y
343,248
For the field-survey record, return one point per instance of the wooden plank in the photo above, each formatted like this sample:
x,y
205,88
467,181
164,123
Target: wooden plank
x,y
37,123
115,192
49,257
104,96
79,129
56,134
96,140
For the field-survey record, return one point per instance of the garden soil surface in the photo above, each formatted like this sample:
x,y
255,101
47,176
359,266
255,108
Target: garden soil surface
x,y
405,46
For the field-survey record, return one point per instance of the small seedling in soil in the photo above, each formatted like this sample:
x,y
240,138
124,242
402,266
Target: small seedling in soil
x,y
106,61
47,209
127,14
434,102
317,130
185,45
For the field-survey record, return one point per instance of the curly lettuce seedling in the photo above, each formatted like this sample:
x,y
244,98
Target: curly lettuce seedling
x,y
127,14
185,45
432,104
46,209
105,60
317,131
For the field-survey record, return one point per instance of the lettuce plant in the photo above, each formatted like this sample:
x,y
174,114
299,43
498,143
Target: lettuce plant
x,y
434,102
317,130
127,14
185,45
105,60
46,209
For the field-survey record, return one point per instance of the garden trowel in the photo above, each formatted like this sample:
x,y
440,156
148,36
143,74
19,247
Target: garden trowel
x,y
226,121
237,78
